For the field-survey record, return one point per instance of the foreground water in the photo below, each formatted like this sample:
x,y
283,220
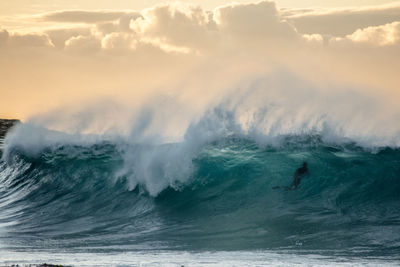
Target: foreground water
x,y
183,258
113,203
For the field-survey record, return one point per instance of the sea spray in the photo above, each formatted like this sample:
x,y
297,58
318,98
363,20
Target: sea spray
x,y
67,197
208,185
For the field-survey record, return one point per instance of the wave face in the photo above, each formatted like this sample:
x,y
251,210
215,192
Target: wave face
x,y
83,197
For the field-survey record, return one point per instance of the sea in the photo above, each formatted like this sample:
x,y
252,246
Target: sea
x,y
206,200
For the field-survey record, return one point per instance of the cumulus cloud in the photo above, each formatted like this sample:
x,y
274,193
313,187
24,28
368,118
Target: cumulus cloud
x,y
25,40
60,35
181,49
384,35
171,27
118,41
179,25
83,44
261,19
184,28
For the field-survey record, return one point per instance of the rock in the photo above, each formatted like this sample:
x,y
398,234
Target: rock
x,y
5,125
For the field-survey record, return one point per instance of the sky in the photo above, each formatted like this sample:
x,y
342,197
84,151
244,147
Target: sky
x,y
63,57
32,6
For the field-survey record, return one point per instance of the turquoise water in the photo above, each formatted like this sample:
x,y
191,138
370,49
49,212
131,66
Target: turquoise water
x,y
93,198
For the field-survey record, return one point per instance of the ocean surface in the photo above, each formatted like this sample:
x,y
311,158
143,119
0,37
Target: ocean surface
x,y
108,202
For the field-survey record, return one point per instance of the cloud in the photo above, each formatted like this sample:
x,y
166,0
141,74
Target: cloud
x,y
83,44
182,50
341,22
24,40
60,35
178,25
260,19
384,35
79,16
176,28
118,41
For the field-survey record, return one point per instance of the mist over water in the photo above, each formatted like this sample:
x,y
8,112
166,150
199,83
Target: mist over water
x,y
158,140
99,197
205,184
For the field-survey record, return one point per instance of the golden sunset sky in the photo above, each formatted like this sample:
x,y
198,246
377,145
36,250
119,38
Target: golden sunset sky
x,y
63,53
34,6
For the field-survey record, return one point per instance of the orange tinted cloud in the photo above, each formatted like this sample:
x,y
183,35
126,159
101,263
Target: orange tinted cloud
x,y
186,51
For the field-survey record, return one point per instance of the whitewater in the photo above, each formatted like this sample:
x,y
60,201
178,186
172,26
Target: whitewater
x,y
196,188
93,200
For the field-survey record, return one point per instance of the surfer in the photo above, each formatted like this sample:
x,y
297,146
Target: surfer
x,y
297,176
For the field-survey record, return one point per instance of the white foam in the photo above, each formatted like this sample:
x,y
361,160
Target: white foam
x,y
184,258
159,143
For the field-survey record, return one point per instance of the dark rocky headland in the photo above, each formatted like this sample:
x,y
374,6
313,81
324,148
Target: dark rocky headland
x,y
5,125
